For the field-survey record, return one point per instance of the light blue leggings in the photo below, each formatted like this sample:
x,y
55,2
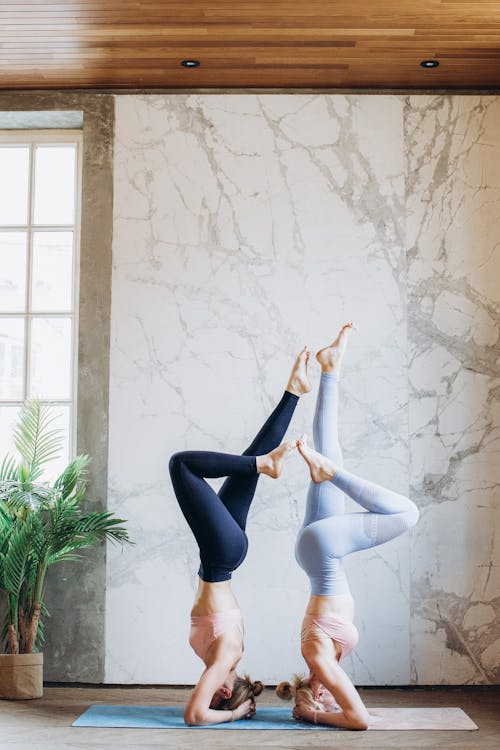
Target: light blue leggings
x,y
328,533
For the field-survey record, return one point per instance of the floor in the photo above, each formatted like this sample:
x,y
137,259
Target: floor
x,y
45,724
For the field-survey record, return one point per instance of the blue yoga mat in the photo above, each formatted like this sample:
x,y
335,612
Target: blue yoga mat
x,y
170,717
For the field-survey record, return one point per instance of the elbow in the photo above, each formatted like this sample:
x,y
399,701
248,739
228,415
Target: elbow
x,y
194,718
359,721
360,725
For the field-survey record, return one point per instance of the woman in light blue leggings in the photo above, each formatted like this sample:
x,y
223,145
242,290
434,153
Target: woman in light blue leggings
x,y
327,535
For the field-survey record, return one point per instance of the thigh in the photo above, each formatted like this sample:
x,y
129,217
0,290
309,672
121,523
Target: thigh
x,y
314,554
215,530
236,494
323,500
342,535
334,537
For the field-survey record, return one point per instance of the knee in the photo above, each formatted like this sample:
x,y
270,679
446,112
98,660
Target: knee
x,y
413,515
175,463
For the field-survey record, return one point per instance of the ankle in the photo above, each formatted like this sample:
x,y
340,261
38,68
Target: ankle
x,y
264,464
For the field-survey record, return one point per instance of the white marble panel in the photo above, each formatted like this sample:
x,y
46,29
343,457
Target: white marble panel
x,y
453,205
246,226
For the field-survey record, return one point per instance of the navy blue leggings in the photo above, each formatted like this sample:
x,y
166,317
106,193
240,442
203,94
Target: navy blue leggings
x,y
218,520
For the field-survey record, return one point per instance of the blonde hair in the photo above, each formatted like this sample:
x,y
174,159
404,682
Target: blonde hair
x,y
243,689
300,689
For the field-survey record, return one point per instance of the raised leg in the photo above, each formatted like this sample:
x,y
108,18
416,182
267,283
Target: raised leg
x,y
389,513
324,500
326,418
237,492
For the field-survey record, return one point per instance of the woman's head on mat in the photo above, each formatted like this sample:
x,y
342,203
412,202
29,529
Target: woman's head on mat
x,y
303,690
242,689
225,692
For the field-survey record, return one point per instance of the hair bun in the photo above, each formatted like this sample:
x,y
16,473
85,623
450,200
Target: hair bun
x,y
257,687
284,691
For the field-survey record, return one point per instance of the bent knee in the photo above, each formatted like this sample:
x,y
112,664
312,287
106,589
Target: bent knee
x,y
175,463
413,515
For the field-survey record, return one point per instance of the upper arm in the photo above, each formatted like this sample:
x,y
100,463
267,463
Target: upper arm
x,y
333,677
197,707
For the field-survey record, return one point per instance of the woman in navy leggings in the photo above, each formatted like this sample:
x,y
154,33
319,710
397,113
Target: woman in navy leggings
x,y
218,522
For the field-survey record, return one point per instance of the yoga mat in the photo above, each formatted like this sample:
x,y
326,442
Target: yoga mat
x,y
170,717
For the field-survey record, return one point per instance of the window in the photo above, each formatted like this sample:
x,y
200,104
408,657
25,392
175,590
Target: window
x,y
40,178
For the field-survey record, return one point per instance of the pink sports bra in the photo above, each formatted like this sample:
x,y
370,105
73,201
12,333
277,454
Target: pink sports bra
x,y
206,628
336,628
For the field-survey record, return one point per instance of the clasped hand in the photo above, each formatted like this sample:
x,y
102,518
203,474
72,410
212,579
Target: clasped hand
x,y
244,711
301,712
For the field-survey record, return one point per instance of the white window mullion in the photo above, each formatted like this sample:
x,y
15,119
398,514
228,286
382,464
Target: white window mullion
x,y
76,295
29,264
32,139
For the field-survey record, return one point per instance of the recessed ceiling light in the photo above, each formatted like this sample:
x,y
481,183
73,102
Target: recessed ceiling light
x,y
429,63
190,63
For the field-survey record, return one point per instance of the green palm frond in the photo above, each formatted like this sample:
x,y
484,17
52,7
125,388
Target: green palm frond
x,y
77,497
67,553
103,526
6,529
9,471
72,475
6,522
78,533
15,559
34,441
17,497
37,555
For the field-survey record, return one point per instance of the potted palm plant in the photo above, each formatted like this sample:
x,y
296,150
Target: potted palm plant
x,y
41,523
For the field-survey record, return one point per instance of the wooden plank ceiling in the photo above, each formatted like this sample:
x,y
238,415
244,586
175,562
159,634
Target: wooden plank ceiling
x,y
123,44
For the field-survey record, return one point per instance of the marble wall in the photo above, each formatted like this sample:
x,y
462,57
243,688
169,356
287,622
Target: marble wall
x,y
453,209
244,227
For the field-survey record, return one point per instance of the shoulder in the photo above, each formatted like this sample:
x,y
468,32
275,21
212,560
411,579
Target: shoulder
x,y
321,649
322,660
226,649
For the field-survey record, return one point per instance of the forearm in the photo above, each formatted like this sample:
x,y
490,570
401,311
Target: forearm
x,y
210,716
334,719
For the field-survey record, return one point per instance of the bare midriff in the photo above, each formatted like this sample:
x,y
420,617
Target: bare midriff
x,y
340,605
213,597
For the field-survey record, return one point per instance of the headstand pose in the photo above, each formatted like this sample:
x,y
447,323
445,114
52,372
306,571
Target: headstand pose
x,y
327,535
217,521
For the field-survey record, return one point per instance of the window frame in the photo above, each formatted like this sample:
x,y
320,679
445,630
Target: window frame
x,y
54,137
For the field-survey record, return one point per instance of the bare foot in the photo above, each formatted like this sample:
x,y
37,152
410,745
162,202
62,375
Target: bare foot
x,y
298,382
320,467
330,358
272,463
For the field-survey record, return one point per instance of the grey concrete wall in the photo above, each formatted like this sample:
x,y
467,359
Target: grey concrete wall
x,y
74,649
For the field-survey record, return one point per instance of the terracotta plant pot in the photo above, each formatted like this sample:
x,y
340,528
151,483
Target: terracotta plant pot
x,y
21,676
